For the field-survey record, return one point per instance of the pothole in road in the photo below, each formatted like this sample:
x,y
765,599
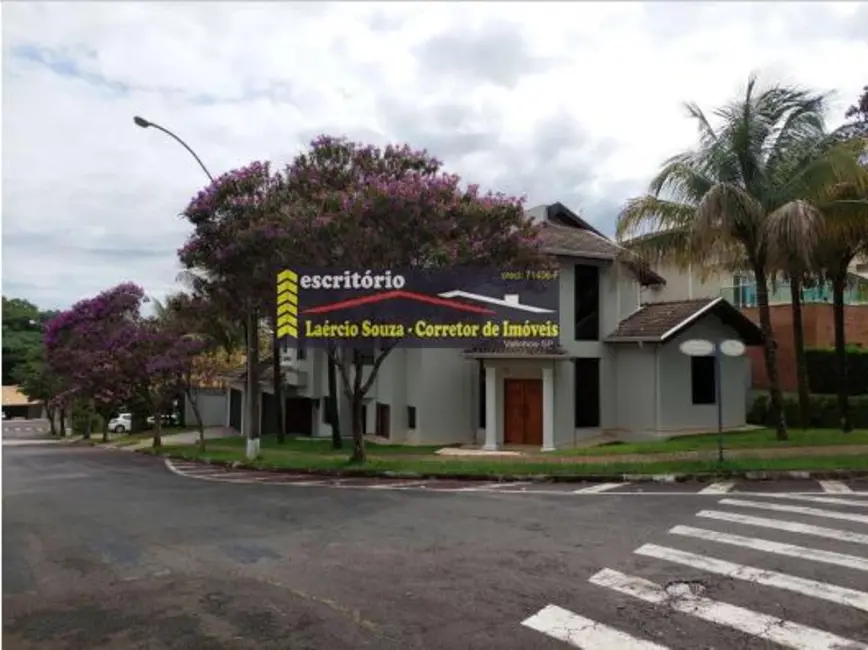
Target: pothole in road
x,y
685,588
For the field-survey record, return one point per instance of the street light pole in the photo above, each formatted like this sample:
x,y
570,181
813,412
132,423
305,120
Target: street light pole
x,y
728,348
142,122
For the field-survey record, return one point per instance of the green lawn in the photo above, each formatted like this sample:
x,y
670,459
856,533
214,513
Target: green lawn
x,y
761,438
313,462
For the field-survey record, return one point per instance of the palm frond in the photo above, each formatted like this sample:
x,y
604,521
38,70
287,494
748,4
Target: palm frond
x,y
792,234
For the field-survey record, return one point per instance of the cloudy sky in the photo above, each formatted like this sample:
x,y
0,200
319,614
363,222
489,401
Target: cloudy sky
x,y
572,102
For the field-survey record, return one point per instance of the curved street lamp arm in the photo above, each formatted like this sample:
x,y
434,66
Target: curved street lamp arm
x,y
144,123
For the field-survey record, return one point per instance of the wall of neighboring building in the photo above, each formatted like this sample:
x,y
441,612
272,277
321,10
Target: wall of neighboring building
x,y
211,403
686,284
818,324
677,412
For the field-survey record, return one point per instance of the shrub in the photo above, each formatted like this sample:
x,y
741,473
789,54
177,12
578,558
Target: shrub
x,y
822,376
79,421
824,411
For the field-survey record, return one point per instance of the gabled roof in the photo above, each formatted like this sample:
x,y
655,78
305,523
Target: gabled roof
x,y
565,233
14,397
658,322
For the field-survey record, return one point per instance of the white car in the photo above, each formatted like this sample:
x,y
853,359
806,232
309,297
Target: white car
x,y
123,423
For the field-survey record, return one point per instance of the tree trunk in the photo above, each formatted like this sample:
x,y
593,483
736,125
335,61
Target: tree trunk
x,y
359,455
253,423
278,386
332,402
88,426
158,430
105,422
52,425
62,421
799,347
194,404
839,284
770,352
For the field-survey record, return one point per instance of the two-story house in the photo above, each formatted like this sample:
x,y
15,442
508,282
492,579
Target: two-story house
x,y
618,367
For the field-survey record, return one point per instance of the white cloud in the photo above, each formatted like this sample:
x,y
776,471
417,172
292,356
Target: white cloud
x,y
565,101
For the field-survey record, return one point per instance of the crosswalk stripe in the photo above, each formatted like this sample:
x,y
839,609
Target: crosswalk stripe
x,y
797,510
832,500
718,488
769,628
789,526
769,546
581,632
599,487
804,586
838,487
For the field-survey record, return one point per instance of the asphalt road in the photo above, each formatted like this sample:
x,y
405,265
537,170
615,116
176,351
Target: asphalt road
x,y
108,549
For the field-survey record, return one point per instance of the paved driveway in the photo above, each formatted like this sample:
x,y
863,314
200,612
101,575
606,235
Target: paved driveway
x,y
107,549
25,429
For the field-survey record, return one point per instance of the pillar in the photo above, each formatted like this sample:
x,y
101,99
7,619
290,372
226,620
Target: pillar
x,y
490,409
548,408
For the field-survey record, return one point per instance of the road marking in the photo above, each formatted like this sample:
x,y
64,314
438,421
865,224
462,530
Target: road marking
x,y
780,548
769,628
718,488
600,487
838,487
797,510
581,632
832,500
486,487
804,586
789,526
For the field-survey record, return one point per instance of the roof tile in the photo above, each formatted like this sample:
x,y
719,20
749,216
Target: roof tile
x,y
655,319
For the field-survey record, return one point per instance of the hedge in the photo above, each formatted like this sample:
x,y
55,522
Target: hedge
x,y
824,411
822,374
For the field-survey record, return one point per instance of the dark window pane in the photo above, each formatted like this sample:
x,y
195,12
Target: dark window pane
x,y
587,302
702,380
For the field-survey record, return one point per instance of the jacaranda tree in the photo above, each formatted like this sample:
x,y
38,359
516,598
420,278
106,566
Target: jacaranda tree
x,y
355,206
236,242
92,347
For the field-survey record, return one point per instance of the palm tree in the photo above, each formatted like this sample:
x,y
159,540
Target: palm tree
x,y
721,194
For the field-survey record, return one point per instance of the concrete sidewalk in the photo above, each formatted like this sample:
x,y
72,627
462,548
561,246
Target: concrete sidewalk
x,y
184,438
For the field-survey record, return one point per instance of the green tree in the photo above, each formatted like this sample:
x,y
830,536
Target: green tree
x,y
721,194
22,334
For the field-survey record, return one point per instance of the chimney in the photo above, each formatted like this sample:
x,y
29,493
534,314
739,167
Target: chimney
x,y
511,298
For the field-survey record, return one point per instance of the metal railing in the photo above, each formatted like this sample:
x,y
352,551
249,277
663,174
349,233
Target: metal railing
x,y
744,295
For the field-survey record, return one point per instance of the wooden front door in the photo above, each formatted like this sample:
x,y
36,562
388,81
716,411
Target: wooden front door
x,y
522,421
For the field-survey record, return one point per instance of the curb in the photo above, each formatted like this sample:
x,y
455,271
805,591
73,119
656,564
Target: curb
x,y
773,475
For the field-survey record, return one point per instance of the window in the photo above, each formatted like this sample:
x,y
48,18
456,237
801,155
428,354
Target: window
x,y
301,353
327,406
586,286
586,381
702,380
481,387
411,417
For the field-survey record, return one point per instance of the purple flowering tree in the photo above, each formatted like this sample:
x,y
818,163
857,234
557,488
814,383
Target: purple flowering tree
x,y
236,241
161,360
359,206
91,347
